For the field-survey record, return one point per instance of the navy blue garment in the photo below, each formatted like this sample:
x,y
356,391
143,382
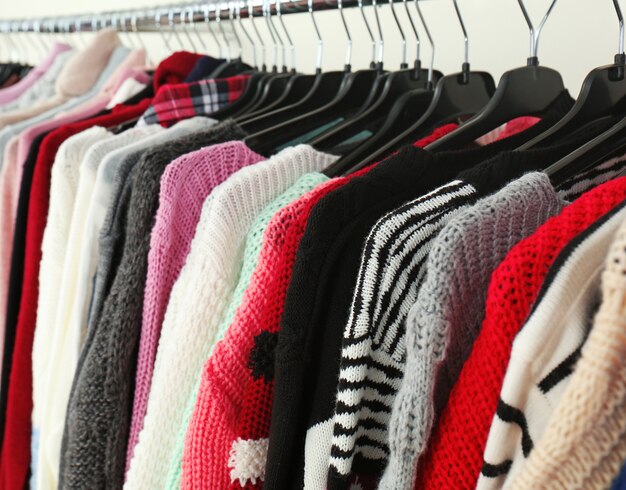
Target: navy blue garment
x,y
203,69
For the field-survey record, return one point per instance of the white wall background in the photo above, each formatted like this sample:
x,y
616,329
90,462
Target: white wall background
x,y
579,35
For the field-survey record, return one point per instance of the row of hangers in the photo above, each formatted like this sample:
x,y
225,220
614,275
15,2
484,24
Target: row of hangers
x,y
382,110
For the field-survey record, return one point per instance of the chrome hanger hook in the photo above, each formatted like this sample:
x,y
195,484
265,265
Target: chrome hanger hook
x,y
191,12
258,34
620,18
278,37
535,32
292,48
231,20
266,14
218,19
37,30
320,42
157,23
186,26
247,34
430,41
395,17
381,44
173,30
371,34
465,36
207,21
29,41
133,26
348,62
417,63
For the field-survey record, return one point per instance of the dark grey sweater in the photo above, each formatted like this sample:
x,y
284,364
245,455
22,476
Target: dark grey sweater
x,y
98,416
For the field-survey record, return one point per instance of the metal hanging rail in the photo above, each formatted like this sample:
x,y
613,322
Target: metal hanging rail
x,y
153,19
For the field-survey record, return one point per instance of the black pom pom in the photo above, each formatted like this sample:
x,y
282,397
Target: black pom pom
x,y
262,356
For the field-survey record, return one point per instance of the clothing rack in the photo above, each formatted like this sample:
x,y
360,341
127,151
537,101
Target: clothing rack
x,y
154,19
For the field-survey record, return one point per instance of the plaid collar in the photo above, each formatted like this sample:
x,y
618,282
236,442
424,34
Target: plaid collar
x,y
175,102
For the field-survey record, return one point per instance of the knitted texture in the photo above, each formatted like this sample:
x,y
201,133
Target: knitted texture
x,y
443,322
184,186
15,455
214,455
113,226
454,456
584,445
77,284
546,350
63,189
248,413
98,414
373,351
199,300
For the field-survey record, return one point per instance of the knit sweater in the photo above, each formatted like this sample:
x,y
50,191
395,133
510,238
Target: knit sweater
x,y
184,187
545,351
98,414
77,284
199,300
321,291
454,455
15,456
392,271
584,445
110,242
207,452
443,321
63,190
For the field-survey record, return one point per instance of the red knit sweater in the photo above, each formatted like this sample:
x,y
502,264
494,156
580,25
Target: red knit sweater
x,y
455,453
232,414
15,456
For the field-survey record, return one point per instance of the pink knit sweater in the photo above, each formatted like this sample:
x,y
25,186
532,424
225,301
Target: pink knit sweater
x,y
184,186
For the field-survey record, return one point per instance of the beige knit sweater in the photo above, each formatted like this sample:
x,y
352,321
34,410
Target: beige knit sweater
x,y
584,444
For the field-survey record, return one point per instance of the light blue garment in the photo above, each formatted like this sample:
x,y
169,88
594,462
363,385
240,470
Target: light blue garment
x,y
11,130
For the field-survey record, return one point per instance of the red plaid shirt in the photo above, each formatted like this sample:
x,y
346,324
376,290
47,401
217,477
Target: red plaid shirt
x,y
175,102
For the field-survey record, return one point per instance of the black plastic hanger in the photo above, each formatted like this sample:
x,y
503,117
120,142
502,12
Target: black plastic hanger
x,y
456,96
606,86
377,116
297,87
526,91
602,89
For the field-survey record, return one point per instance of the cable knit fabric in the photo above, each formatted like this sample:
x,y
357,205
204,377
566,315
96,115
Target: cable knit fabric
x,y
98,414
63,190
546,350
584,445
443,323
251,255
199,300
15,455
454,456
185,185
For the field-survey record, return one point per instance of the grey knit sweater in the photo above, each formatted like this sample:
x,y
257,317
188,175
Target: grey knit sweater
x,y
98,416
444,322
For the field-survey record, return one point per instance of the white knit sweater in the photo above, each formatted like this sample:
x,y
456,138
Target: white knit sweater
x,y
545,352
199,300
61,338
97,184
64,183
